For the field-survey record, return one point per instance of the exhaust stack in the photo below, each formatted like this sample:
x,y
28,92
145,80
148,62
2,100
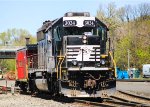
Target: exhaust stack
x,y
27,40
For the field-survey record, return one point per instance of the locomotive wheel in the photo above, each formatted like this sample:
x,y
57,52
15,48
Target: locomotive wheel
x,y
56,88
32,86
23,86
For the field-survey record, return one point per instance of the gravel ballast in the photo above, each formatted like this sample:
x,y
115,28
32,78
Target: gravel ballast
x,y
19,100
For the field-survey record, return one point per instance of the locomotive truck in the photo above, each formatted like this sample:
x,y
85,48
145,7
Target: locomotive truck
x,y
70,58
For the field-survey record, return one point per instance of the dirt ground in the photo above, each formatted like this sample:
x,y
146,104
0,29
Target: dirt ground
x,y
140,88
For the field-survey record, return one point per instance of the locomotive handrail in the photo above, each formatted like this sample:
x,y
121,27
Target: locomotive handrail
x,y
113,63
57,67
61,64
61,59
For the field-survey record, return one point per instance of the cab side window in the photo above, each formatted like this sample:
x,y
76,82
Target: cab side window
x,y
57,34
102,33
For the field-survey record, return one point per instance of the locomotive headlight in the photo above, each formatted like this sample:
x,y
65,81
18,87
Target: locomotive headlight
x,y
84,41
102,61
84,37
74,62
80,64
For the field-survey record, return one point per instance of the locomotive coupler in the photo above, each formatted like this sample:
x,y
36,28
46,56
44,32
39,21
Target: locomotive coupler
x,y
90,83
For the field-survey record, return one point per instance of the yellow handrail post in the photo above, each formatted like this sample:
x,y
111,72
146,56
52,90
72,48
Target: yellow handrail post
x,y
57,68
60,65
61,59
113,63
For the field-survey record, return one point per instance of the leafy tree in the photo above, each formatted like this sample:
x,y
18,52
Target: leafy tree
x,y
13,37
16,37
129,30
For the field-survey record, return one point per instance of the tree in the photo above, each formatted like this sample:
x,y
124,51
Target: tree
x,y
14,37
121,14
110,18
144,10
129,29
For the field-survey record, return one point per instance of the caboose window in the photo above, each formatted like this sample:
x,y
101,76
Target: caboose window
x,y
20,64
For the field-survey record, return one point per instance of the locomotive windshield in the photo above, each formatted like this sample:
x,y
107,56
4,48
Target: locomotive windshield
x,y
79,31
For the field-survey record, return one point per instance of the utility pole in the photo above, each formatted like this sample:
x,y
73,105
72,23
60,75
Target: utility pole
x,y
128,60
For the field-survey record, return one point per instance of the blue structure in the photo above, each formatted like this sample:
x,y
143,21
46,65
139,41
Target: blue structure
x,y
122,74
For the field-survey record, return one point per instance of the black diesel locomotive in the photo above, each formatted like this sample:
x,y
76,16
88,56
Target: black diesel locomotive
x,y
70,58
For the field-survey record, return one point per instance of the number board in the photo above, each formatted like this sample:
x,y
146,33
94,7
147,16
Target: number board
x,y
89,23
69,23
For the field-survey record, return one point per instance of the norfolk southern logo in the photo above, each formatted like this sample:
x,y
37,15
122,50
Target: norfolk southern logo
x,y
85,50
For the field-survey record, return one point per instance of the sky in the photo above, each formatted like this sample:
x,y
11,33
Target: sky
x,y
30,14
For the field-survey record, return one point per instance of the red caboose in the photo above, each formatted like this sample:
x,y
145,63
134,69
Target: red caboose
x,y
21,64
26,58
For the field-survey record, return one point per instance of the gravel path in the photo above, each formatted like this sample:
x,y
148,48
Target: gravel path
x,y
19,100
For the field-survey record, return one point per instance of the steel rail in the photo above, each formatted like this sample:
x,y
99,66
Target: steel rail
x,y
126,103
129,102
123,100
109,102
132,80
93,103
9,89
133,95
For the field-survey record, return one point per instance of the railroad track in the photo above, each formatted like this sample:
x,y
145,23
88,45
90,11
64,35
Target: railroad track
x,y
8,89
122,102
133,95
98,104
133,80
112,101
128,99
